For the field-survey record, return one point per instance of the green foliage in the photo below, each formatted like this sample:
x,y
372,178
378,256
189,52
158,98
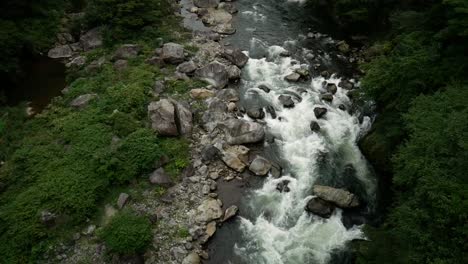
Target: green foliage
x,y
177,149
123,17
127,233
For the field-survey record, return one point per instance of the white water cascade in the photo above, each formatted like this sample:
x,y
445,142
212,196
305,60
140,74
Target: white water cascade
x,y
282,232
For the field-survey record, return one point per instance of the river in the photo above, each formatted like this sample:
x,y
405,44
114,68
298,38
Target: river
x,y
273,227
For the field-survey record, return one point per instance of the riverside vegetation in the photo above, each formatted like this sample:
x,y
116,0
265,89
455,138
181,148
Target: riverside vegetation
x,y
61,163
417,75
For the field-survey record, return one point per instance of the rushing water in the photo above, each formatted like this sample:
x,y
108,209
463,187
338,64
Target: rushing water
x,y
273,227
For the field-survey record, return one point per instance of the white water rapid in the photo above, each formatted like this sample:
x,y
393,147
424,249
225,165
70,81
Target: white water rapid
x,y
282,232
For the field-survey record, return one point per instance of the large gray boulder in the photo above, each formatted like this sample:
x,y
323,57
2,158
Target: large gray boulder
x,y
82,101
92,39
209,210
60,52
243,132
214,73
160,177
236,56
162,116
319,207
172,53
206,3
260,166
126,51
339,197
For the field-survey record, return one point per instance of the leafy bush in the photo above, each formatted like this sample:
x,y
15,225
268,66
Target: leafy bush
x,y
122,16
127,233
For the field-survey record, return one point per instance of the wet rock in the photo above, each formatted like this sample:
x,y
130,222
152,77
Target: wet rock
x,y
339,197
342,107
201,93
92,39
172,53
120,65
325,74
209,210
256,113
265,88
187,67
314,126
345,84
236,157
214,73
126,51
162,116
192,258
206,3
82,101
243,132
122,200
292,77
236,56
60,52
283,186
225,29
228,95
234,72
331,87
230,213
271,110
286,101
276,170
216,16
48,218
304,73
260,166
319,207
327,97
210,153
319,112
161,178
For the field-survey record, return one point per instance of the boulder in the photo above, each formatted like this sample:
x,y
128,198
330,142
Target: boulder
x,y
325,74
210,153
232,107
162,116
229,7
327,97
187,67
92,39
339,197
304,73
345,84
342,107
82,101
184,118
122,200
126,51
331,87
225,29
228,95
192,258
264,88
234,72
343,46
230,213
314,126
208,210
236,56
283,186
271,110
260,166
120,65
216,105
319,207
201,93
60,52
276,170
158,87
292,77
320,112
172,53
206,3
76,62
243,132
236,157
256,113
160,178
286,101
216,16
214,73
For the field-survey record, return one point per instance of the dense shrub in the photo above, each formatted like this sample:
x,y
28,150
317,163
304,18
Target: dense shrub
x,y
127,233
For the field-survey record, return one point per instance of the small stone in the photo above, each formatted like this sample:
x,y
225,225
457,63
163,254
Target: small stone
x,y
123,198
293,77
320,112
232,107
89,230
230,212
264,88
314,126
159,177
